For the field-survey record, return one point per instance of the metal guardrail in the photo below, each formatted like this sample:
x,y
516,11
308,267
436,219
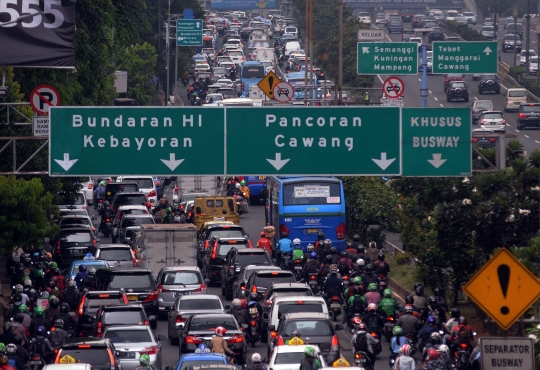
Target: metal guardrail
x,y
391,248
503,71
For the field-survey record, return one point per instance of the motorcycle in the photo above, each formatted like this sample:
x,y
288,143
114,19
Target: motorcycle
x,y
362,361
462,356
388,327
377,348
37,362
412,340
381,284
285,258
335,307
346,281
253,333
241,204
297,269
312,282
185,81
354,321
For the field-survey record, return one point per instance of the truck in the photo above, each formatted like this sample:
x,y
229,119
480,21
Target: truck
x,y
215,209
264,54
167,245
388,13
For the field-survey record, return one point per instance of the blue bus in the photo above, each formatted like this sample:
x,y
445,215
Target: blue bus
x,y
251,73
256,185
305,206
297,80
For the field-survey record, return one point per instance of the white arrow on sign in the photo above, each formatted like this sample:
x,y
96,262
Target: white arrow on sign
x,y
383,162
172,162
437,161
66,163
278,163
365,49
180,38
197,24
487,50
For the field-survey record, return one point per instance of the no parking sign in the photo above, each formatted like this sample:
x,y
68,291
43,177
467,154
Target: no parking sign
x,y
43,97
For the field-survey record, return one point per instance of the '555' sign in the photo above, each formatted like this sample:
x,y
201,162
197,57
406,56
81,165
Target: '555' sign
x,y
11,10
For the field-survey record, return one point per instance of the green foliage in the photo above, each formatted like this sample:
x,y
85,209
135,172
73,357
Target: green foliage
x,y
516,72
24,211
466,33
403,258
140,61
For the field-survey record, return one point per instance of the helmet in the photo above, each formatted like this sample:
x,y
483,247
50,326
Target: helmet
x,y
387,293
419,290
369,267
455,313
284,235
243,182
397,331
333,250
82,268
360,262
11,348
236,303
443,349
39,311
220,330
38,273
349,245
59,323
406,349
144,359
253,296
356,238
243,302
328,259
23,308
462,320
313,255
17,298
106,203
92,271
237,185
19,288
437,292
102,183
309,352
357,280
255,357
2,348
408,309
327,243
372,287
310,247
148,205
380,256
320,236
344,254
372,245
372,307
431,320
72,283
295,333
296,241
432,300
168,210
362,326
357,290
18,318
409,299
435,338
40,332
64,307
53,265
263,234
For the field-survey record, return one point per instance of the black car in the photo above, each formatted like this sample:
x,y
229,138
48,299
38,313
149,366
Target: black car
x,y
407,17
89,306
200,329
457,90
484,140
214,260
73,244
119,187
215,231
489,82
260,281
437,34
108,315
75,221
235,260
511,40
239,285
227,93
137,282
418,21
128,199
528,116
99,353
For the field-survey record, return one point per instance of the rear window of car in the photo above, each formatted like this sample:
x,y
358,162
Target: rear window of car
x,y
144,183
123,199
235,53
259,258
309,327
116,254
75,221
137,221
81,212
131,281
517,94
191,364
511,37
458,85
123,318
180,277
294,307
76,237
195,304
267,278
223,249
489,77
113,188
284,292
202,323
96,301
492,115
483,104
93,356
488,28
128,336
530,108
289,358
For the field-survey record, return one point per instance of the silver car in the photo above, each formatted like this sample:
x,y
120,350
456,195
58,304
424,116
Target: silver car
x,y
488,32
132,341
116,255
493,120
177,281
480,106
189,305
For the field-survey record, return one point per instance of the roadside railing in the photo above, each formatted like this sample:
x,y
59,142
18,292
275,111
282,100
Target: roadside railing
x,y
504,68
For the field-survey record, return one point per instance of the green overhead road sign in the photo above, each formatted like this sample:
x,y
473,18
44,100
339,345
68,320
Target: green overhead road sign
x,y
392,58
437,142
140,141
310,141
189,32
465,57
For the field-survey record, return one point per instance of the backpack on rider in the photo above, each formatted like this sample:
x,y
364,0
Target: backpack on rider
x,y
361,343
358,305
343,267
56,339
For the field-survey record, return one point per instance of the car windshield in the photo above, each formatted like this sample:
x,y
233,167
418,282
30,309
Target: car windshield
x,y
225,248
309,327
128,336
97,356
294,307
197,304
122,199
115,254
202,323
123,318
264,280
76,237
137,221
180,277
131,281
245,259
289,358
492,116
459,85
483,105
191,364
530,108
511,37
144,183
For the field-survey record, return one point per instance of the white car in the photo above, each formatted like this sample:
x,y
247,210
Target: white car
x,y
215,97
225,82
146,186
290,357
533,65
87,187
235,42
202,68
291,30
523,56
492,120
364,17
471,17
380,19
71,367
237,56
270,67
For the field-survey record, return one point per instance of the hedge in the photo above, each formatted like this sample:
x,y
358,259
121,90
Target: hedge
x,y
466,33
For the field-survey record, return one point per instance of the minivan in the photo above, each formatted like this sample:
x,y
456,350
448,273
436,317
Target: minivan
x,y
514,98
291,46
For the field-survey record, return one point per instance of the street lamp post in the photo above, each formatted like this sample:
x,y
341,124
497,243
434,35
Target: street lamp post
x,y
537,55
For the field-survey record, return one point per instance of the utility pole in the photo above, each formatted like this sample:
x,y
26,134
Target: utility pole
x,y
515,31
167,65
538,60
528,36
312,87
340,64
306,52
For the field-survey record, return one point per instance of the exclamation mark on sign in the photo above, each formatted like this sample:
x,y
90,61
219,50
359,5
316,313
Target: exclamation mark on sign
x,y
504,279
271,83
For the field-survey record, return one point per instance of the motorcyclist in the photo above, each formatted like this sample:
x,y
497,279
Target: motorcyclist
x,y
374,322
99,193
351,251
24,298
40,345
424,335
17,328
309,249
397,342
325,251
310,362
58,334
356,241
349,292
244,189
362,254
405,360
265,243
372,296
444,351
11,354
312,266
4,363
461,334
68,322
372,251
333,286
408,322
53,308
59,279
388,305
254,309
381,266
88,280
409,300
369,276
284,245
358,268
38,320
298,253
356,304
53,289
345,264
27,320
81,274
442,304
218,344
169,217
325,267
21,351
256,362
334,255
144,362
320,240
434,341
363,341
72,295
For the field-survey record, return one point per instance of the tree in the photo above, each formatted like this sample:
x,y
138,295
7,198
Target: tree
x,y
140,62
24,211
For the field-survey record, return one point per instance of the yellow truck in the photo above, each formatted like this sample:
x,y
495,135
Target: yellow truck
x,y
215,209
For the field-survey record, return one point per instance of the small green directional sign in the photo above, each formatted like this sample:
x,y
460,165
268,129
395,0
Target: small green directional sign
x,y
387,58
465,57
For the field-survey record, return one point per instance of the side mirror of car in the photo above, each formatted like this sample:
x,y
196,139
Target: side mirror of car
x,y
206,281
98,240
161,337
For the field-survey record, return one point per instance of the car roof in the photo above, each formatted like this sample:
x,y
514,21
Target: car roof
x,y
99,292
89,262
128,193
286,299
71,229
127,327
259,267
123,307
106,246
297,348
77,216
127,269
214,315
192,297
73,342
491,111
132,206
200,356
231,239
145,215
251,250
71,367
176,268
276,272
289,285
306,315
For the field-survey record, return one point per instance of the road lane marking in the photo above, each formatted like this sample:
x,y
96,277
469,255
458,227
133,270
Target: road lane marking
x,y
475,98
537,141
430,92
527,136
420,80
507,125
441,105
517,130
435,98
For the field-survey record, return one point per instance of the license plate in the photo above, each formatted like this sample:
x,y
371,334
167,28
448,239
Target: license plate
x,y
77,251
178,294
335,305
36,362
298,267
132,298
312,231
382,283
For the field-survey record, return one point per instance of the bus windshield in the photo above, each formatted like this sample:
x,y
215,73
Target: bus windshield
x,y
311,193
